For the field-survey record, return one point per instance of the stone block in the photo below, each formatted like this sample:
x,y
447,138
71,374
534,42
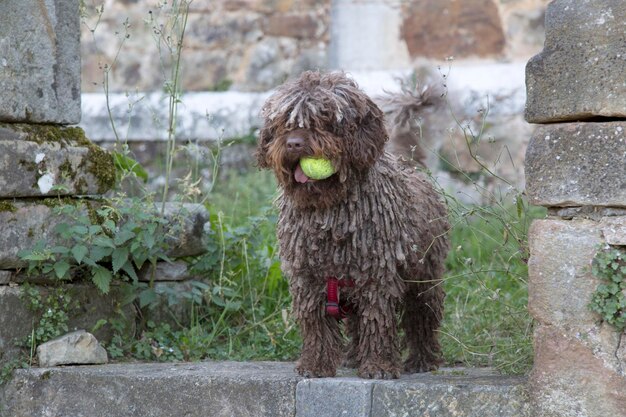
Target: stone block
x,y
155,390
577,164
570,380
23,224
451,396
257,389
580,364
16,318
560,283
172,305
76,348
231,114
580,72
614,230
5,277
40,61
450,392
372,26
193,230
39,161
165,271
300,26
440,29
349,397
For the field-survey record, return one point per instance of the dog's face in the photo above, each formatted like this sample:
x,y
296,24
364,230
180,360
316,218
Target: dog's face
x,y
320,115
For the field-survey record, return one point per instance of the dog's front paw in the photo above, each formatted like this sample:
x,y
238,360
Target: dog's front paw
x,y
315,371
378,371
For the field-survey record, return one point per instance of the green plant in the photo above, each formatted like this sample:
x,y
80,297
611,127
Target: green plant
x,y
113,241
51,308
609,299
486,322
7,368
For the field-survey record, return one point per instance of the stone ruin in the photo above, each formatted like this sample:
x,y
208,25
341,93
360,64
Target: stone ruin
x,y
46,162
576,167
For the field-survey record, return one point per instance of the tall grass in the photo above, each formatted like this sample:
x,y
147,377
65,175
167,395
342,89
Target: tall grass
x,y
485,324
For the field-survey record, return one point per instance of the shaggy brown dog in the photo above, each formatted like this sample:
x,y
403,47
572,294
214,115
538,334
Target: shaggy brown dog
x,y
374,222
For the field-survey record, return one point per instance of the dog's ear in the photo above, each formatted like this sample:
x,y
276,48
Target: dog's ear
x,y
265,137
369,137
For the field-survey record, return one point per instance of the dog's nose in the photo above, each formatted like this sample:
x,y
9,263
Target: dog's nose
x,y
295,143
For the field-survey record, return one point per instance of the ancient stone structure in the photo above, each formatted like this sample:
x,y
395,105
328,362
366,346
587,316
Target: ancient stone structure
x,y
44,163
577,170
40,62
477,48
253,45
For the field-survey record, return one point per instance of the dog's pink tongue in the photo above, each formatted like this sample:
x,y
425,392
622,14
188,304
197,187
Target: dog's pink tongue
x,y
300,175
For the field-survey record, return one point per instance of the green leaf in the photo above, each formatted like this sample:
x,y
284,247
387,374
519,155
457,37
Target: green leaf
x,y
126,164
104,241
61,268
63,229
146,297
119,258
109,224
35,257
130,271
102,279
123,236
99,324
59,249
98,253
79,230
79,252
94,229
149,240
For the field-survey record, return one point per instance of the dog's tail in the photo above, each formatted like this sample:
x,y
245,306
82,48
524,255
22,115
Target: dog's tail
x,y
405,111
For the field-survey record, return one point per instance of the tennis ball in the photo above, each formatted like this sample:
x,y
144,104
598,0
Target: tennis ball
x,y
317,168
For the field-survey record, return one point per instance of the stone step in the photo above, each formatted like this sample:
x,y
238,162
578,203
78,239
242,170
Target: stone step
x,y
247,389
51,161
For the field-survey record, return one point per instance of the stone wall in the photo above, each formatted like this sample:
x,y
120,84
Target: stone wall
x,y
256,44
576,166
476,48
45,164
252,44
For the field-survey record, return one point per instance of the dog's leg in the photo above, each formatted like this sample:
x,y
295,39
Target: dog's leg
x,y
423,313
321,336
379,353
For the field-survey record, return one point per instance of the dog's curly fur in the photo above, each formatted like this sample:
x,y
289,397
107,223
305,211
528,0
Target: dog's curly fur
x,y
375,221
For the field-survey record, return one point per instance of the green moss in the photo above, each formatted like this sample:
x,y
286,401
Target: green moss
x,y
98,162
81,186
92,213
31,232
67,171
28,165
65,136
59,202
7,206
100,165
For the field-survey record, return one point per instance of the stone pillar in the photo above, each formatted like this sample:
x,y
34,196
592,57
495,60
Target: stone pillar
x,y
41,158
40,61
576,166
367,25
44,163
